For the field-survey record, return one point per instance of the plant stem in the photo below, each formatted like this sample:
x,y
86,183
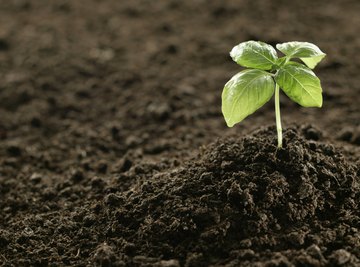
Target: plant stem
x,y
277,114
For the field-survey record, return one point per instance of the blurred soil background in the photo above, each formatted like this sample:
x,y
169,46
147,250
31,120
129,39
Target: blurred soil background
x,y
104,94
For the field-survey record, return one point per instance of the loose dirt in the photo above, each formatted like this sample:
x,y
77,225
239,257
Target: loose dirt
x,y
114,152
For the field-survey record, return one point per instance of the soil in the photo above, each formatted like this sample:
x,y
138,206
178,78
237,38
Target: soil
x,y
114,151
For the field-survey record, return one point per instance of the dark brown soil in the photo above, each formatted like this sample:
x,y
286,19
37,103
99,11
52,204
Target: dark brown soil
x,y
114,152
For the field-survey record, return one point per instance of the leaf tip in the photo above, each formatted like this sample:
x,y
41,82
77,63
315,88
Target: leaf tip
x,y
234,52
230,124
318,103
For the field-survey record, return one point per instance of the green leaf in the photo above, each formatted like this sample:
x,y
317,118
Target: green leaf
x,y
309,53
300,84
246,92
281,61
253,54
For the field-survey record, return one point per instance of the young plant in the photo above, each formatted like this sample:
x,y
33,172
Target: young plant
x,y
250,89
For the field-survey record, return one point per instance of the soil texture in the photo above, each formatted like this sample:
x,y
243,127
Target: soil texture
x,y
114,151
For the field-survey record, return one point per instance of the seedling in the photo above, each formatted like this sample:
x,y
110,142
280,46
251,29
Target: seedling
x,y
250,89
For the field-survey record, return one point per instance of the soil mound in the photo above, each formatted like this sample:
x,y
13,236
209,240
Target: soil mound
x,y
239,202
243,203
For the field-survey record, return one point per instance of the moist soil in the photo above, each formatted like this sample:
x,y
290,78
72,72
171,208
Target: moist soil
x,y
114,151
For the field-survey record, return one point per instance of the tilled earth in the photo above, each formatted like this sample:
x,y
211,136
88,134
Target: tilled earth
x,y
114,151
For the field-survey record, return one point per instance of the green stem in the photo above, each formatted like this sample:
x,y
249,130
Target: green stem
x,y
277,114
